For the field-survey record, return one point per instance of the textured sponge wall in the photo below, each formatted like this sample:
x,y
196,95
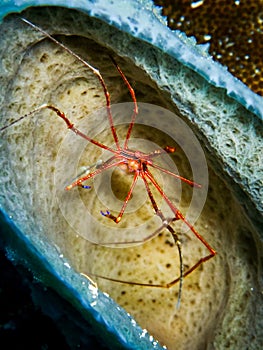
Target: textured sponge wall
x,y
218,301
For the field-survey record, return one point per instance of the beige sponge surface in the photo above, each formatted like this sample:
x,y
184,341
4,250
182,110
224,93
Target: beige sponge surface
x,y
40,156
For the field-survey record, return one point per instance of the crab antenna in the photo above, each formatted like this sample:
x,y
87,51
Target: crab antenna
x,y
94,70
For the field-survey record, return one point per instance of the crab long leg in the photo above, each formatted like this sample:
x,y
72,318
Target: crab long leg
x,y
173,233
179,215
189,182
79,181
135,110
117,219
